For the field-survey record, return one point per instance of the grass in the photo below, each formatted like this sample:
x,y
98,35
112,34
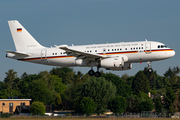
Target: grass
x,y
86,118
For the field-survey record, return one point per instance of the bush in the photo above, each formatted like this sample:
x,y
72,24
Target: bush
x,y
37,108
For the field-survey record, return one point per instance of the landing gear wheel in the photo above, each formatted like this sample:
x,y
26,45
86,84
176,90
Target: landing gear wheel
x,y
91,72
150,70
97,74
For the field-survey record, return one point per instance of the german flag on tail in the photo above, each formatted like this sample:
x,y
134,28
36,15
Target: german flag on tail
x,y
19,29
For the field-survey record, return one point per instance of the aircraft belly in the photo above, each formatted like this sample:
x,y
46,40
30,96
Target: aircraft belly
x,y
143,57
62,61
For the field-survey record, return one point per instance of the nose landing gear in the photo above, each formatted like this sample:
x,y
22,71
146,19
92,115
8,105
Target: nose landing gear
x,y
149,67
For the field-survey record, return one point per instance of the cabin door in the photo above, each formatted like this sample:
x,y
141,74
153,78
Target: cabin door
x,y
43,55
148,48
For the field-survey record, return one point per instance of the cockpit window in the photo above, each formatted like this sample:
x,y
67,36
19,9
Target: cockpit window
x,y
162,46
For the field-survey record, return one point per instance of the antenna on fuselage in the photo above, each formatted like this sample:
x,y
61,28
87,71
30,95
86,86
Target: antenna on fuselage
x,y
146,40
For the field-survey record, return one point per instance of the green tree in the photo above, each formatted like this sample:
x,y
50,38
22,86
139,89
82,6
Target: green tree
x,y
1,85
37,108
57,84
38,91
24,84
118,104
140,83
145,105
61,72
72,96
123,89
132,103
58,101
5,93
152,77
100,90
87,105
11,75
169,100
158,104
172,75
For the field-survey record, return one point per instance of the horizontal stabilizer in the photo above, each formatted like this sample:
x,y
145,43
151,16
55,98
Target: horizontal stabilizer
x,y
18,53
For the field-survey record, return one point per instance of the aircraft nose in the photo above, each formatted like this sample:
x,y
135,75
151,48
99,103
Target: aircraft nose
x,y
172,53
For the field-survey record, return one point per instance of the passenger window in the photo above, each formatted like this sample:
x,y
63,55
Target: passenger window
x,y
126,49
53,53
114,49
120,49
56,53
95,50
108,49
131,48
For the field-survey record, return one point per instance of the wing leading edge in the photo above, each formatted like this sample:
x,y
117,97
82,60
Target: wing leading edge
x,y
80,54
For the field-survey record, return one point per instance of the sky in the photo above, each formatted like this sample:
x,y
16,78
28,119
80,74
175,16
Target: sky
x,y
81,22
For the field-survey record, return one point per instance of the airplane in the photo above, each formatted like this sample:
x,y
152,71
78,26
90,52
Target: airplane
x,y
111,56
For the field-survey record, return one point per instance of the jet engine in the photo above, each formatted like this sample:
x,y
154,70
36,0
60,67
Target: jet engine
x,y
127,66
113,62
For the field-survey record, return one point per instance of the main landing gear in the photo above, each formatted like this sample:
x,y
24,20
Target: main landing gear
x,y
97,74
149,66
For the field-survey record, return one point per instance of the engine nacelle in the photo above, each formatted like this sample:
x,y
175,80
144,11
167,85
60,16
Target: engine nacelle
x,y
127,66
80,62
112,62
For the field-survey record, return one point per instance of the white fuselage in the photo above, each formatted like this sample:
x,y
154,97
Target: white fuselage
x,y
143,51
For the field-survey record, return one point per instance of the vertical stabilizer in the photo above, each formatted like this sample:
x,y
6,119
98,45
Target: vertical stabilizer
x,y
22,39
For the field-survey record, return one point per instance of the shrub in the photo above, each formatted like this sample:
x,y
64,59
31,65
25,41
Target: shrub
x,y
37,108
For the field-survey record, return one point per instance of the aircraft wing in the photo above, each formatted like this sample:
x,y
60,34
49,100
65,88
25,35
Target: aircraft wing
x,y
18,53
80,54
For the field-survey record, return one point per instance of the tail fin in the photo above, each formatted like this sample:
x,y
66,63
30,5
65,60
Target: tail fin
x,y
22,39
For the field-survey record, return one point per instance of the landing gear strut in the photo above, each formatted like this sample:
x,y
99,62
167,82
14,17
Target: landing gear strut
x,y
97,73
149,66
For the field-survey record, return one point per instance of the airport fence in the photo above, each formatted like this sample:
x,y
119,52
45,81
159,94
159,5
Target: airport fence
x,y
143,114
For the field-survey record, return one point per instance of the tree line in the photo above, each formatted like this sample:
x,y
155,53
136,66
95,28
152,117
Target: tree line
x,y
66,89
